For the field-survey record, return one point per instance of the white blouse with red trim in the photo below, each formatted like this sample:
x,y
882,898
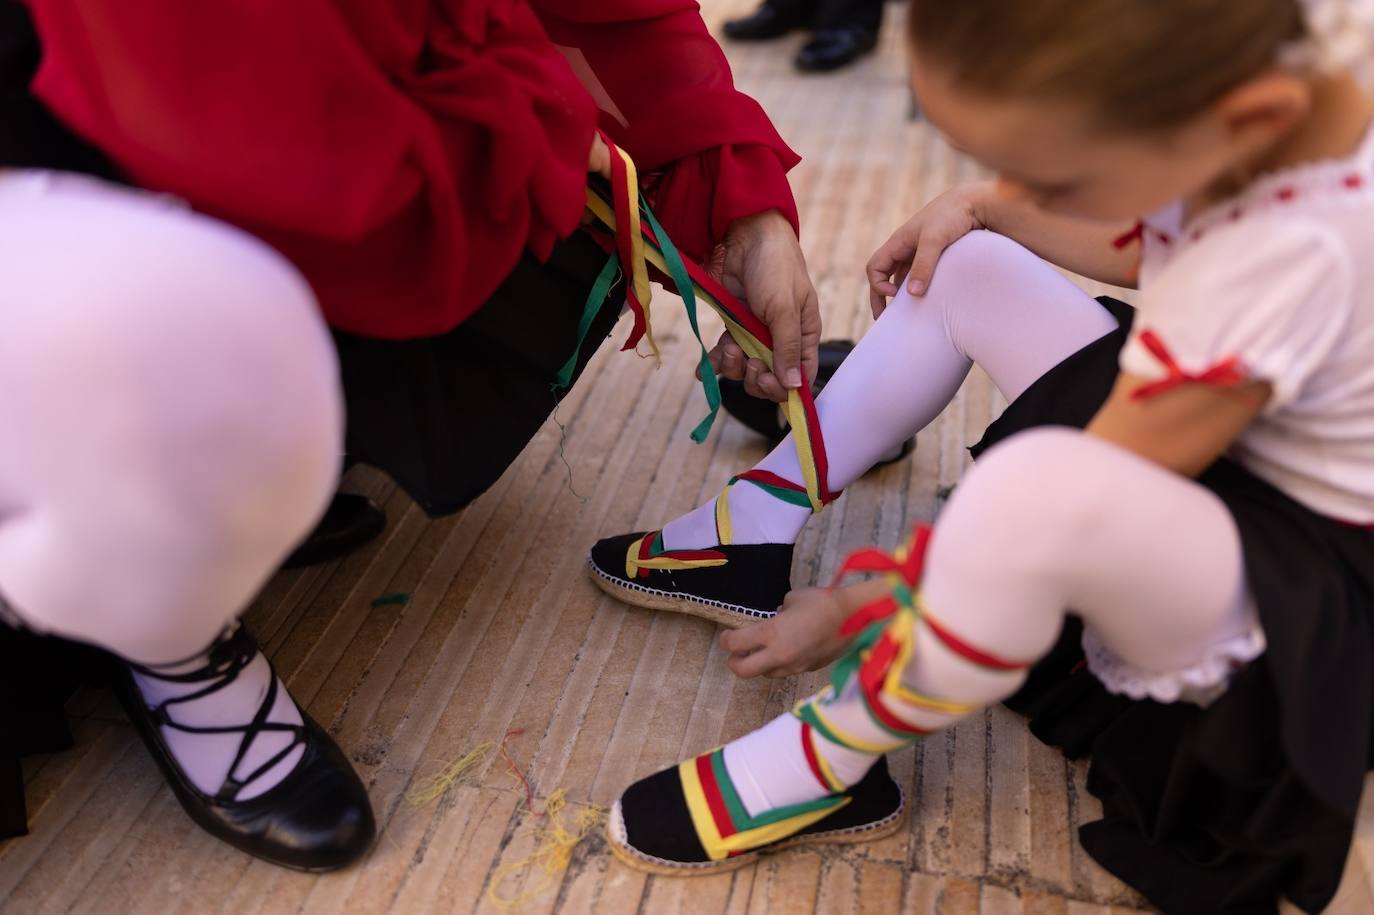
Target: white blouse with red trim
x,y
1277,285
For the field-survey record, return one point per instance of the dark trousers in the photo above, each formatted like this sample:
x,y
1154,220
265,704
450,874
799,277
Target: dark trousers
x,y
445,416
835,14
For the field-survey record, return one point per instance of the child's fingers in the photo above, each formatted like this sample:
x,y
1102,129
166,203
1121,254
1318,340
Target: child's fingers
x,y
757,664
750,638
923,266
880,270
877,303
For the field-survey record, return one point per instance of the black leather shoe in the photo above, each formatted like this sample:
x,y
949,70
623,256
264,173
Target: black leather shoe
x,y
830,49
350,521
769,21
318,818
764,417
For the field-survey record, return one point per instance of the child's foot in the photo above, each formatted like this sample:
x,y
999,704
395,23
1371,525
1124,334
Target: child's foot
x,y
731,585
728,561
714,813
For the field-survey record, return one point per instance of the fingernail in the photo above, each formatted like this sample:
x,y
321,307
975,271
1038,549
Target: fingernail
x,y
916,287
794,378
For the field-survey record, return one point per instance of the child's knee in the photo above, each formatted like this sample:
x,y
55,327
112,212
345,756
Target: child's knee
x,y
1033,496
976,258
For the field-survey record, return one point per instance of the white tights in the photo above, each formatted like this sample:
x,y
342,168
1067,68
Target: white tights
x,y
170,426
991,302
1050,520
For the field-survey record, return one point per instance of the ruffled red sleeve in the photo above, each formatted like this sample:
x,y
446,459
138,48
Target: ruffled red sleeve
x,y
667,96
401,157
405,153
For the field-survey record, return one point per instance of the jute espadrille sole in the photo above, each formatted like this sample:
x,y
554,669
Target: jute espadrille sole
x,y
854,835
654,599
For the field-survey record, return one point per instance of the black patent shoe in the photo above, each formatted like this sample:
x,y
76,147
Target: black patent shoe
x,y
764,416
318,818
769,21
350,521
652,827
830,49
731,585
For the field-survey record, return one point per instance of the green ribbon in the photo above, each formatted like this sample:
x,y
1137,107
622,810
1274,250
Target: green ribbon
x,y
595,300
849,663
790,496
678,271
683,281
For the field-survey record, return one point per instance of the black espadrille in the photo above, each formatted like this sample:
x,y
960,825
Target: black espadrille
x,y
651,827
731,585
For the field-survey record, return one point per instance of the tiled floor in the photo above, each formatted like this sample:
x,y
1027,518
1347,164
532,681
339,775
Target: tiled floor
x,y
502,635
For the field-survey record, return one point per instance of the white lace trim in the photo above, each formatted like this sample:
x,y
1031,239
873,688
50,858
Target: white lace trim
x,y
1201,683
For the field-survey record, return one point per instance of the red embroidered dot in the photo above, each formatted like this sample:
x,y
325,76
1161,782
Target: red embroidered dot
x,y
1196,234
1235,214
1286,193
1353,181
1162,238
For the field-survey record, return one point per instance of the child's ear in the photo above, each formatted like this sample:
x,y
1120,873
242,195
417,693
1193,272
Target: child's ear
x,y
1265,106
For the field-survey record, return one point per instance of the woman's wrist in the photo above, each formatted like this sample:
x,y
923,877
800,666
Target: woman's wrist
x,y
757,223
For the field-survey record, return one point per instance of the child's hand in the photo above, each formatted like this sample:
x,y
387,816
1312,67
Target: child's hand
x,y
916,246
805,635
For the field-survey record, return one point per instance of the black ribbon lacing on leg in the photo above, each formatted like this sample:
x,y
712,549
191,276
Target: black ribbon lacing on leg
x,y
225,660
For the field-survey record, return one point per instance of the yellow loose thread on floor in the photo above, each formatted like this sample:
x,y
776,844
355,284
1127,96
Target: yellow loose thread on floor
x,y
553,849
554,842
451,776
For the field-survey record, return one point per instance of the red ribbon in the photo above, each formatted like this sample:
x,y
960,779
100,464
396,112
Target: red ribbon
x,y
875,560
1136,234
1224,374
620,199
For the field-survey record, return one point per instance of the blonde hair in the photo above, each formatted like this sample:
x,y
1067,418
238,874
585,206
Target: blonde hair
x,y
1135,64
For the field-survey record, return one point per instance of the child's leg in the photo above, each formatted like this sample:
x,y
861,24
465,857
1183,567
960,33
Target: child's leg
x,y
1150,560
991,302
171,425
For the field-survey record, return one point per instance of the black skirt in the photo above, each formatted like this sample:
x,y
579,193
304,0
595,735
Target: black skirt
x,y
445,416
1229,808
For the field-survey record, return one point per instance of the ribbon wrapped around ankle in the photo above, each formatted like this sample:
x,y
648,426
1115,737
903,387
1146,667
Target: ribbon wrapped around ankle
x,y
777,487
640,242
884,634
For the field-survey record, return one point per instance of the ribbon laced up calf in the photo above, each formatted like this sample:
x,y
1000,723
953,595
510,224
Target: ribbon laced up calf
x,y
728,582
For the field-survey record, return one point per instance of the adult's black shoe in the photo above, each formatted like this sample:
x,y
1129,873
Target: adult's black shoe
x,y
350,521
764,417
317,818
769,21
830,49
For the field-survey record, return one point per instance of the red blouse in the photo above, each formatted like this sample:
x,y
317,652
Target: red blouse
x,y
403,153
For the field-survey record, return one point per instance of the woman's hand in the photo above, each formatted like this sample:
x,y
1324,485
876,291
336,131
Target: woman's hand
x,y
917,246
760,261
599,160
805,635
